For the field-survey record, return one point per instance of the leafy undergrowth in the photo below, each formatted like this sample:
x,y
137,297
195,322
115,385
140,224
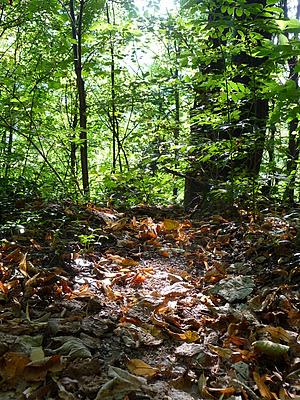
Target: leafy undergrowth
x,y
148,305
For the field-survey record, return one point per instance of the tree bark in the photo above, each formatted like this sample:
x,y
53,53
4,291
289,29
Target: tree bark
x,y
245,135
82,106
294,141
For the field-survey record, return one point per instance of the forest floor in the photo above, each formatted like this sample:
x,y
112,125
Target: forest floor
x,y
148,304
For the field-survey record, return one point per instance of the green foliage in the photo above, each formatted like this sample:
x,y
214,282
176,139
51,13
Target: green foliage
x,y
200,68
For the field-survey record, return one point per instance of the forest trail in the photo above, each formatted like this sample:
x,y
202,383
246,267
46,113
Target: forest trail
x,y
147,304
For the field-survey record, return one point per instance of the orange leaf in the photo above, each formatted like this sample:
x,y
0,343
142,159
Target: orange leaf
x,y
262,387
164,253
3,288
138,279
84,291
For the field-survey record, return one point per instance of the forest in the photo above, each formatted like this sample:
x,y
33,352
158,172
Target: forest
x,y
149,199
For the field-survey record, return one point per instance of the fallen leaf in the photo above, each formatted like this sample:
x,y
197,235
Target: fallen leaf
x,y
12,365
125,262
23,265
188,336
278,333
262,387
270,348
169,225
84,291
37,354
74,348
224,353
121,384
140,368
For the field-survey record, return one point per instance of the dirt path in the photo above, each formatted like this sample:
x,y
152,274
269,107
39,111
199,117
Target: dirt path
x,y
101,305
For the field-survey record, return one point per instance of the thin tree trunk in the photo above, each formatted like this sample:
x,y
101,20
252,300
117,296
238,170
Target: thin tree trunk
x,y
77,54
73,148
294,141
177,111
114,126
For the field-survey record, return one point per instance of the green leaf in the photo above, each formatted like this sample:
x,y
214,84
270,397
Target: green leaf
x,y
293,26
238,12
283,40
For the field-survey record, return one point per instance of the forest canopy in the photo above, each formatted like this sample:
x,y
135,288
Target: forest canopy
x,y
120,102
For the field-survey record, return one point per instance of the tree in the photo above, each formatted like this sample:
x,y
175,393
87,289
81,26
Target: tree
x,y
77,26
230,113
293,124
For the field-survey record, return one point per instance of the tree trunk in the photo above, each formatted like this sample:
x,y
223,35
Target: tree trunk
x,y
177,112
294,141
82,107
245,136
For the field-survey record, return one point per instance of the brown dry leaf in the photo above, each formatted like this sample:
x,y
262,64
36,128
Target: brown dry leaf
x,y
12,365
111,294
49,236
169,225
238,341
243,355
15,255
285,395
34,280
84,291
55,363
125,262
148,229
278,333
188,336
68,211
294,318
224,239
214,275
129,262
262,387
140,368
183,383
224,353
23,267
228,391
36,371
118,225
3,288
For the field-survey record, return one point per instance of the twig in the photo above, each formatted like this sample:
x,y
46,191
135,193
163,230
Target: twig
x,y
247,388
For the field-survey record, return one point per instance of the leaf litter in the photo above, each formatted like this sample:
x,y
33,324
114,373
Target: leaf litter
x,y
97,304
